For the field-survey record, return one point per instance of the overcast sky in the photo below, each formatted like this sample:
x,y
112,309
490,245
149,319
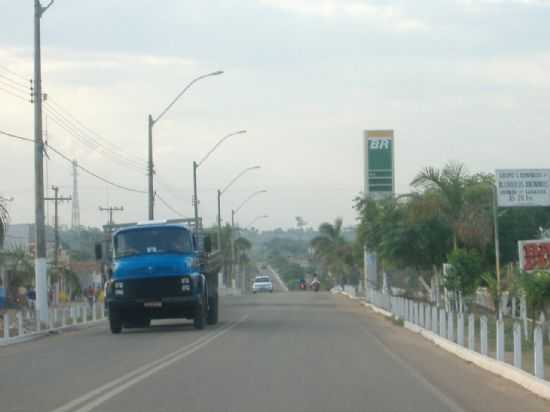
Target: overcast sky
x,y
465,80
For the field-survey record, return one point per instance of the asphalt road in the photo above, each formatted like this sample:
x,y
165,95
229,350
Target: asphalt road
x,y
273,352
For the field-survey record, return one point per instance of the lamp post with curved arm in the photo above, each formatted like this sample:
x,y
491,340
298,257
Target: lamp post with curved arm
x,y
195,168
256,219
221,192
151,122
233,213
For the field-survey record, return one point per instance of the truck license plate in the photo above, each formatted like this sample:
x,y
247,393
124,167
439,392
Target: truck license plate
x,y
153,304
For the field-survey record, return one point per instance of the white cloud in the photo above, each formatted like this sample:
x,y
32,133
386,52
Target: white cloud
x,y
390,18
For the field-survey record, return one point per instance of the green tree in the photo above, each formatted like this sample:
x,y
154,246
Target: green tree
x,y
449,185
465,273
334,251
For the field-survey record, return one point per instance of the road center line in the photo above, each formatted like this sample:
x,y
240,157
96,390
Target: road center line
x,y
143,372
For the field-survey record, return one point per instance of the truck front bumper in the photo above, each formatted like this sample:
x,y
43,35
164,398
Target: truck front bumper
x,y
161,308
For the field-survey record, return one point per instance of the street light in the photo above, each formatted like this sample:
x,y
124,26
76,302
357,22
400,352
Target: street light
x,y
197,165
233,213
256,219
151,123
221,192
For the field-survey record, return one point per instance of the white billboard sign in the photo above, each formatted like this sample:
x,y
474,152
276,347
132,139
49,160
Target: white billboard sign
x,y
523,187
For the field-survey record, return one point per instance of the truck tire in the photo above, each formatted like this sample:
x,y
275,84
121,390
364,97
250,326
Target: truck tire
x,y
199,321
115,323
213,310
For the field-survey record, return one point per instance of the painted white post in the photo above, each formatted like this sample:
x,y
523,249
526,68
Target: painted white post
x,y
517,345
50,319
483,335
500,340
442,323
6,325
514,313
63,317
421,314
20,330
435,320
428,318
471,332
451,326
102,311
38,323
539,353
94,314
84,313
54,316
523,314
460,329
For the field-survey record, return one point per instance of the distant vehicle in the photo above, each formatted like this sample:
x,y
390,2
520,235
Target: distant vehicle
x,y
262,284
302,285
160,270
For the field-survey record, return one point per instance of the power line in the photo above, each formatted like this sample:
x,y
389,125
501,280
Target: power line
x,y
13,85
98,138
2,67
26,139
16,82
68,159
84,139
168,206
14,94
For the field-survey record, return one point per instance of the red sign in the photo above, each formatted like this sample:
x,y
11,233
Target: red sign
x,y
534,255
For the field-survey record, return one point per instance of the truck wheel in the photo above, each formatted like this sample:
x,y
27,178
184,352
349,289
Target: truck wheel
x,y
213,310
115,323
199,322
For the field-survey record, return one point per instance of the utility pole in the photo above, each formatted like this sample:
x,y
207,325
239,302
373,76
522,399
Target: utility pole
x,y
75,217
151,169
40,268
219,220
111,210
56,199
233,266
195,198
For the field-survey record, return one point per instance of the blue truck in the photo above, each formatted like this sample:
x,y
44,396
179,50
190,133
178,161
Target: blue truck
x,y
159,270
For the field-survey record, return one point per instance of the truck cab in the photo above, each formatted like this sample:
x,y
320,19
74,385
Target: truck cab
x,y
158,271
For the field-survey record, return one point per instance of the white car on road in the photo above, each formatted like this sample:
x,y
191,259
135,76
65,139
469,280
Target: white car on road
x,y
262,284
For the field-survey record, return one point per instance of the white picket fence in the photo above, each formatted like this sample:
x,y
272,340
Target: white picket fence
x,y
455,327
25,324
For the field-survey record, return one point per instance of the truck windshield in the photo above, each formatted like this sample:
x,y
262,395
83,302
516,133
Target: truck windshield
x,y
153,240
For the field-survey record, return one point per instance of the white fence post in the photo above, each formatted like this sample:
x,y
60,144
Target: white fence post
x,y
421,315
20,330
50,319
442,323
94,314
471,332
6,325
54,317
451,326
539,352
63,317
460,329
435,320
518,361
72,314
483,335
500,339
102,311
37,319
427,317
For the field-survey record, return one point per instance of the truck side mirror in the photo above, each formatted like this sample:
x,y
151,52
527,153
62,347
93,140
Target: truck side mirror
x,y
207,244
98,251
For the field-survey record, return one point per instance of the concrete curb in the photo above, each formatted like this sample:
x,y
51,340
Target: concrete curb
x,y
530,382
36,335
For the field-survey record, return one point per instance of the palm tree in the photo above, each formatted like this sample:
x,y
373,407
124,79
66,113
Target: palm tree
x,y
449,184
4,217
331,247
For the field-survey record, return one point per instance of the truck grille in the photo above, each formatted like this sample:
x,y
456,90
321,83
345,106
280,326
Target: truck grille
x,y
153,288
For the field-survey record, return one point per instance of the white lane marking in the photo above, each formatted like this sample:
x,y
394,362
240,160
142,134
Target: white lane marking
x,y
452,405
143,371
